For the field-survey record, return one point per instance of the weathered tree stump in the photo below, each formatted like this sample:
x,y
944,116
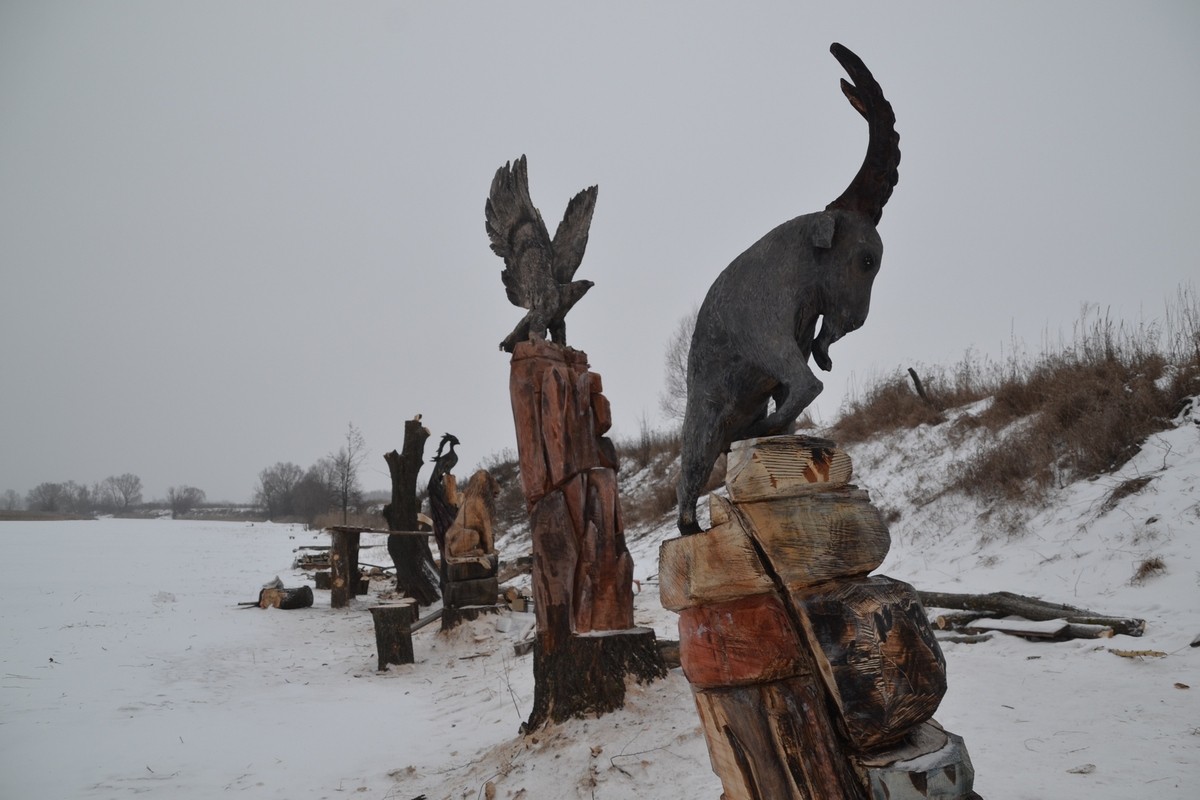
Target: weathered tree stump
x,y
812,679
393,632
582,570
416,573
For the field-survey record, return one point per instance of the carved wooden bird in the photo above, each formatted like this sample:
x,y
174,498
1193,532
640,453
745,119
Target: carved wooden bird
x,y
538,272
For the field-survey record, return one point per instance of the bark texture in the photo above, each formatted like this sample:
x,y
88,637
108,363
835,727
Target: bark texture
x,y
416,572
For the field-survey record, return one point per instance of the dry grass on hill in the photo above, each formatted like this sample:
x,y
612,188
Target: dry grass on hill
x,y
1083,407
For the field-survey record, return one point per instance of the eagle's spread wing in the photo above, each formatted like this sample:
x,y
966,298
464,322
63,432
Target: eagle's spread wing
x,y
571,237
518,235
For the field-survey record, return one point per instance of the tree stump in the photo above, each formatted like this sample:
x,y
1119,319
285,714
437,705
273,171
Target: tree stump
x,y
393,632
582,570
812,680
416,573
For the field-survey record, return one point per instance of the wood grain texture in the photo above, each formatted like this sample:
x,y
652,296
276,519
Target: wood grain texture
x,y
877,654
782,466
739,642
773,741
582,570
343,567
711,567
832,534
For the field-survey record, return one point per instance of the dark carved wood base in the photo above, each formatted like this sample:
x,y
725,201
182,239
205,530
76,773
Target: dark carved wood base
x,y
393,632
586,674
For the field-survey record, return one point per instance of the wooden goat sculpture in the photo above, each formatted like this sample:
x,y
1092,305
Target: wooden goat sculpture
x,y
757,326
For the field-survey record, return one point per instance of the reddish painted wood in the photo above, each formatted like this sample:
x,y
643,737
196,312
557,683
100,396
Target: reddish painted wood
x,y
582,571
738,642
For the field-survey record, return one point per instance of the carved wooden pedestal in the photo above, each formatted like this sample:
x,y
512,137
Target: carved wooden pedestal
x,y
582,572
813,681
469,588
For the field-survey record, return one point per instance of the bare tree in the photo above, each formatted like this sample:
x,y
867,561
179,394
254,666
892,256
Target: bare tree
x,y
277,489
314,493
673,399
183,499
82,498
346,462
123,491
10,500
48,497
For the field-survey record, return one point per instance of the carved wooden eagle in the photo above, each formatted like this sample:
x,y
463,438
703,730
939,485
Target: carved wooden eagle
x,y
538,272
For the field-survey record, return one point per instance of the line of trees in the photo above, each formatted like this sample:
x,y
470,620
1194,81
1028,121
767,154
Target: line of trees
x,y
285,490
114,494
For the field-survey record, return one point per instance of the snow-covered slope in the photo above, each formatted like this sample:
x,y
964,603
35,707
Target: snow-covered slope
x,y
128,669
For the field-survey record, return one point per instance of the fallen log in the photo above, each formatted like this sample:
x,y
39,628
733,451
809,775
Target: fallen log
x,y
958,619
1057,629
1031,608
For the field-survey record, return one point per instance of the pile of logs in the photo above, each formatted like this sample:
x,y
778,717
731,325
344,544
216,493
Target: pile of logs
x,y
971,617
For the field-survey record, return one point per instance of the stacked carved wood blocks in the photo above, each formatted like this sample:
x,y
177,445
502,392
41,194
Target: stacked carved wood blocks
x,y
813,679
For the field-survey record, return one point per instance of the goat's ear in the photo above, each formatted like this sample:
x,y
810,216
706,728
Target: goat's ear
x,y
822,231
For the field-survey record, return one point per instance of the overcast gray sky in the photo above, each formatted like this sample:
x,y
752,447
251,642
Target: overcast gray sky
x,y
227,229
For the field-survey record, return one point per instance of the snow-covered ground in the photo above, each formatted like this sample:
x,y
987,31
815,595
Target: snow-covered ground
x,y
128,668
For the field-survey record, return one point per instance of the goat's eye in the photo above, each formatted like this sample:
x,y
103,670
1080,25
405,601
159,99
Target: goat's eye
x,y
868,262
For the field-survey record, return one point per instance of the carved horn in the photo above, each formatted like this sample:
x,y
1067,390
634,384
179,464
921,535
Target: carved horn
x,y
873,184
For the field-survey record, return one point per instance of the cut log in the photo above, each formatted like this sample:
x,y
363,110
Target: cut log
x,y
957,619
343,567
277,597
1031,608
1057,629
393,632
